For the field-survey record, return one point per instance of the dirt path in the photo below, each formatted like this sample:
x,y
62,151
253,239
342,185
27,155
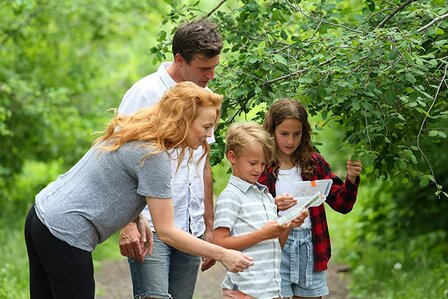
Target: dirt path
x,y
113,282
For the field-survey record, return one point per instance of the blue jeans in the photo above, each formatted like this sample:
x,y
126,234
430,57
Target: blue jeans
x,y
297,267
167,273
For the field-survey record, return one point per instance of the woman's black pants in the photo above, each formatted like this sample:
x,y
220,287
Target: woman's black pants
x,y
57,270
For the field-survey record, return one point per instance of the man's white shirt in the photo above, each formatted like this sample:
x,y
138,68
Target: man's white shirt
x,y
187,181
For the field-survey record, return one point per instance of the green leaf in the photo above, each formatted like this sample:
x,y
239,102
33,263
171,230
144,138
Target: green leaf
x,y
280,59
409,77
433,133
424,181
393,54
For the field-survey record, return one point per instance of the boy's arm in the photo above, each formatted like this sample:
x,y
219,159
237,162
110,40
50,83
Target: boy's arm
x,y
283,237
270,230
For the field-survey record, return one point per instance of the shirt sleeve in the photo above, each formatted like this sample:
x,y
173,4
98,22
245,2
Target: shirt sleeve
x,y
342,196
136,98
226,210
154,176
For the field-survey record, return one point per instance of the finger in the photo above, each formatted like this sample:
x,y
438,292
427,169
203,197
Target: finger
x,y
150,247
134,249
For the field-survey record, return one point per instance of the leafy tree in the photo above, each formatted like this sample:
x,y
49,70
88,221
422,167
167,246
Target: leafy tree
x,y
377,67
59,73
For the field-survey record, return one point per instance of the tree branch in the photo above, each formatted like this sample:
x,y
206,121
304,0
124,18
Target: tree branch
x,y
401,7
299,9
424,122
432,22
216,8
290,75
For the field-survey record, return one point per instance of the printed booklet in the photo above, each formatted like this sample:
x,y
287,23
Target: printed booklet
x,y
308,194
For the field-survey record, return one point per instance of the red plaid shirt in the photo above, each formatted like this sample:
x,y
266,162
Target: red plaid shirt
x,y
341,198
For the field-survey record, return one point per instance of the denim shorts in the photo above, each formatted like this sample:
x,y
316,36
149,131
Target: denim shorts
x,y
167,273
297,267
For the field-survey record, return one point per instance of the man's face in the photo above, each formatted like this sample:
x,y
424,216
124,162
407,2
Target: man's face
x,y
200,70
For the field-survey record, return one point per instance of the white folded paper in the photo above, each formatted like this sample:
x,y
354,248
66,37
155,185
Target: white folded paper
x,y
302,204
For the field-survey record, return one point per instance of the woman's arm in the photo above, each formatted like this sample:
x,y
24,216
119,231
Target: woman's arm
x,y
162,215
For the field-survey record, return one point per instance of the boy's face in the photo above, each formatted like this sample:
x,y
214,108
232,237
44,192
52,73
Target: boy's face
x,y
250,164
199,71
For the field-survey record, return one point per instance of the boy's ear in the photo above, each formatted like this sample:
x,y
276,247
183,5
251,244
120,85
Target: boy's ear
x,y
231,156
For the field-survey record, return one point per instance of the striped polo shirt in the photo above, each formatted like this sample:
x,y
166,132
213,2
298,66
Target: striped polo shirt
x,y
243,208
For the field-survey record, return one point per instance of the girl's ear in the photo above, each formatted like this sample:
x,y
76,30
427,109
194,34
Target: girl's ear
x,y
231,156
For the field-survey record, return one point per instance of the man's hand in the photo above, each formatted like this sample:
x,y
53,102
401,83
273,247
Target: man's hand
x,y
136,240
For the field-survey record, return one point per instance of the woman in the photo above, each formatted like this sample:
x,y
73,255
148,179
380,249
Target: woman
x,y
85,206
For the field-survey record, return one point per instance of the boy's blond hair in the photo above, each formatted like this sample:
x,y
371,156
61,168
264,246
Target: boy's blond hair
x,y
242,135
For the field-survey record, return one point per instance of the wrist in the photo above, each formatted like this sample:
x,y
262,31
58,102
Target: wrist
x,y
259,236
220,254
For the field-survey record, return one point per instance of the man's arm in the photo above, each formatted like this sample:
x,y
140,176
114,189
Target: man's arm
x,y
208,210
208,201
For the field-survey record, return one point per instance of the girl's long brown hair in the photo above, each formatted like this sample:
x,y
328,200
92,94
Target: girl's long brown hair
x,y
280,111
166,124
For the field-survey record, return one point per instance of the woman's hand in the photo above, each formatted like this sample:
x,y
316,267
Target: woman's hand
x,y
284,202
236,261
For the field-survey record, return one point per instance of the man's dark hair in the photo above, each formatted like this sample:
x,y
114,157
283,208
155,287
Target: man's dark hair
x,y
197,37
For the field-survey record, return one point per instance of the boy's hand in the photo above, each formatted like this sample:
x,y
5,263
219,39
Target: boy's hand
x,y
354,169
284,202
298,221
271,230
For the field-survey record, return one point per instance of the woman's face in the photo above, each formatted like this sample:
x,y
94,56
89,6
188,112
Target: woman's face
x,y
201,127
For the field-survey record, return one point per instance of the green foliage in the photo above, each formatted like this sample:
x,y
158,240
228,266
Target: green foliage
x,y
13,263
380,73
416,268
64,63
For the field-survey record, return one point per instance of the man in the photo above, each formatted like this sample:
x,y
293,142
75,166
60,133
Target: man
x,y
196,48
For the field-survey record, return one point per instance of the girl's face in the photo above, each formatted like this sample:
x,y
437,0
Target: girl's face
x,y
249,164
201,127
288,135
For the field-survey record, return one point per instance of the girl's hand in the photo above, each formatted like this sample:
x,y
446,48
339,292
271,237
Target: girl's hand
x,y
271,230
284,202
298,221
354,169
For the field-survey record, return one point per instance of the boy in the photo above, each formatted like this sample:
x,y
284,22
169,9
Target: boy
x,y
245,215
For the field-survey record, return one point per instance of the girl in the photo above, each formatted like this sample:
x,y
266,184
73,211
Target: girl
x,y
307,250
127,168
